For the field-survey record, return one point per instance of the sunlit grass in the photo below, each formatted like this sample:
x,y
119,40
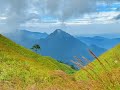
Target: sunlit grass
x,y
22,69
104,72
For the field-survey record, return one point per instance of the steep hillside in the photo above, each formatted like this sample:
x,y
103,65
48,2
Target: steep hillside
x,y
63,47
21,67
59,44
104,71
19,50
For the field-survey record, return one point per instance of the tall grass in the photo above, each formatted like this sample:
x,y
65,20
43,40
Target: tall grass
x,y
103,80
22,69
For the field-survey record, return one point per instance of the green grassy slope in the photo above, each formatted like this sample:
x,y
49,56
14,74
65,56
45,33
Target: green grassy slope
x,y
21,67
10,48
105,70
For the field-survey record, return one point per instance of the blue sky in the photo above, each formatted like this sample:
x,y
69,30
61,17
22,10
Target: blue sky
x,y
73,16
108,8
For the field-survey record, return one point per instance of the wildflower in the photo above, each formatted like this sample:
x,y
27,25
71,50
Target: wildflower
x,y
116,61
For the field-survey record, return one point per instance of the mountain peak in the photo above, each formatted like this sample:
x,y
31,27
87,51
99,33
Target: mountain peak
x,y
58,31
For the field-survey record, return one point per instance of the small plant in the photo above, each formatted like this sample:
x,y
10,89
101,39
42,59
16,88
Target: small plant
x,y
36,47
105,78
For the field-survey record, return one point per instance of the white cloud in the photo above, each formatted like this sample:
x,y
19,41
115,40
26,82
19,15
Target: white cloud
x,y
16,12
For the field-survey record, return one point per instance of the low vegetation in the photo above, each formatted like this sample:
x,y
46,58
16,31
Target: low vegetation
x,y
22,69
104,72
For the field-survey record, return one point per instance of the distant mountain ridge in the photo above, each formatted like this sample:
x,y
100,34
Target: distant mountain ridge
x,y
24,37
59,44
99,41
35,35
29,34
63,47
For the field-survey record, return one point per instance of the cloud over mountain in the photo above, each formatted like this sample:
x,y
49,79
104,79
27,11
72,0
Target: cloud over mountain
x,y
20,11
